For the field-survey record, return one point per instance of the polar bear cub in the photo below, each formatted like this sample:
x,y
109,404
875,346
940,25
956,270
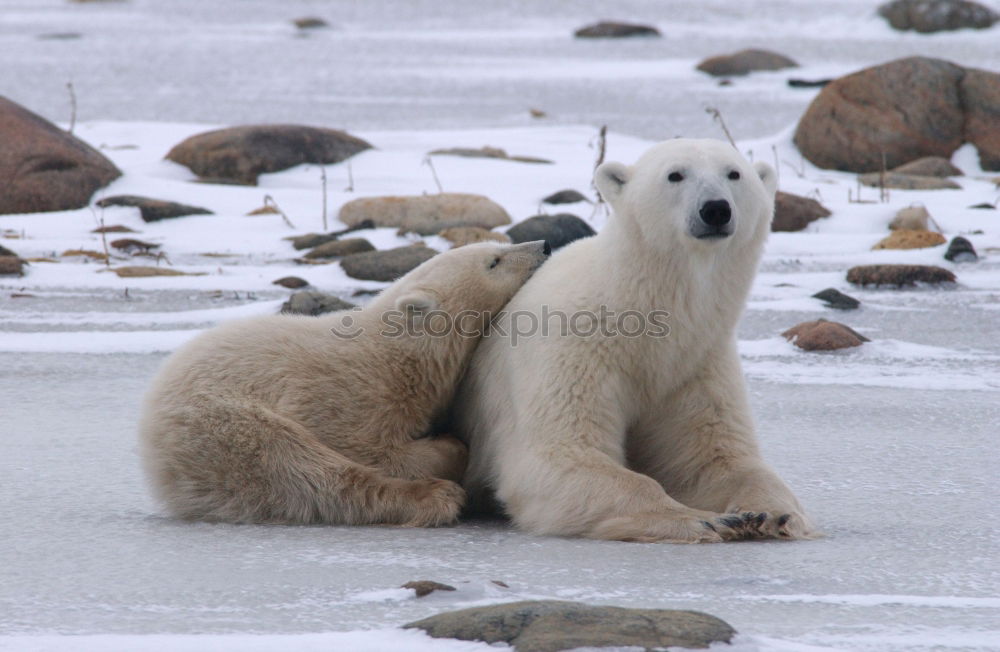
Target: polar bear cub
x,y
596,423
292,419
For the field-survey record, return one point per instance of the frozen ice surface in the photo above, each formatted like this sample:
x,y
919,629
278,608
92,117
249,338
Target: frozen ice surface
x,y
892,446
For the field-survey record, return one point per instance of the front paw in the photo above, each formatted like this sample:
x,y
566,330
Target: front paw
x,y
775,524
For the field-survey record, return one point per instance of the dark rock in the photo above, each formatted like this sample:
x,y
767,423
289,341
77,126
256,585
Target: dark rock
x,y
823,335
984,206
44,168
386,265
423,213
310,240
905,109
794,212
426,587
565,197
551,625
487,152
4,251
744,62
153,210
241,154
930,166
11,265
961,250
928,16
313,304
836,299
906,181
898,275
612,29
115,228
129,245
558,230
338,248
291,282
60,36
310,22
808,83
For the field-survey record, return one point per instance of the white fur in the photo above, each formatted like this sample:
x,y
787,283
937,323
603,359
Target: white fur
x,y
647,439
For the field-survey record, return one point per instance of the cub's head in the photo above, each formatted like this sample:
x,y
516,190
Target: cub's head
x,y
700,191
479,278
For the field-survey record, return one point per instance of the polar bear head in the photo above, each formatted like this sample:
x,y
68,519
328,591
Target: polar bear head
x,y
697,189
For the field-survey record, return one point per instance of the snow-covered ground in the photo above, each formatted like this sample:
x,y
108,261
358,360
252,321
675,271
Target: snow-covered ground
x,y
891,446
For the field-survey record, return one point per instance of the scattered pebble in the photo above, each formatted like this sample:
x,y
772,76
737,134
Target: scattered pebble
x,y
613,29
898,275
129,245
339,248
426,587
960,250
565,197
291,282
834,298
114,228
823,335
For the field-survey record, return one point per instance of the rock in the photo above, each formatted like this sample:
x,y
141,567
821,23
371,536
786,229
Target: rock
x,y
915,218
794,212
129,245
907,109
11,266
310,240
898,275
140,271
558,230
417,213
906,181
744,62
313,304
87,253
310,22
823,335
612,29
928,16
961,250
808,83
153,210
910,239
984,206
836,299
266,209
426,587
115,228
241,154
565,197
44,168
552,625
929,166
291,282
487,152
386,265
435,228
4,251
338,248
459,236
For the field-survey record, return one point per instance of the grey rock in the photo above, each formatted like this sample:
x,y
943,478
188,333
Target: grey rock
x,y
899,181
794,212
310,240
153,210
744,62
565,197
927,16
291,282
313,304
834,298
387,265
613,29
551,625
338,248
558,230
960,250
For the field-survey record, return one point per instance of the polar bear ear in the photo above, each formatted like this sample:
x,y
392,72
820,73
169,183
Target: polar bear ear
x,y
610,179
416,303
767,175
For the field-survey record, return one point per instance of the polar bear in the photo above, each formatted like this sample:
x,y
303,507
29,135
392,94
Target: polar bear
x,y
579,426
293,419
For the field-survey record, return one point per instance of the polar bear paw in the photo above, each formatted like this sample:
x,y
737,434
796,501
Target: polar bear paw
x,y
745,525
433,502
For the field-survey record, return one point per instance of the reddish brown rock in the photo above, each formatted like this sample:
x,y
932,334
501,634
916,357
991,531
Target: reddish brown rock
x,y
794,212
43,168
426,587
11,266
981,99
910,239
898,275
823,335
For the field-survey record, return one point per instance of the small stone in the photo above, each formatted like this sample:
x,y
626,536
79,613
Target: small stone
x,y
914,218
984,206
960,250
808,83
140,271
313,304
87,253
310,22
910,239
565,197
558,230
836,299
266,209
291,282
930,166
153,210
927,16
612,29
338,248
115,228
794,212
898,275
386,265
744,62
11,266
823,335
459,236
129,245
310,240
897,181
426,587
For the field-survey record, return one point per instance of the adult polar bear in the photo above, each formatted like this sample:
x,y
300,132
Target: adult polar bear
x,y
635,438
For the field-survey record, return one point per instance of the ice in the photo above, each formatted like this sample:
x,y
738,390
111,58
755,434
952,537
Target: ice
x,y
891,446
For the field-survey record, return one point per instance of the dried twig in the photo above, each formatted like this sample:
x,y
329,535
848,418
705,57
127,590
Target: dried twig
x,y
350,177
602,148
714,112
322,177
72,107
429,163
777,165
270,203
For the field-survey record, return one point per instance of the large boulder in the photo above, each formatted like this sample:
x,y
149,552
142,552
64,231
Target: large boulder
x,y
387,265
552,625
905,109
241,154
44,168
425,214
928,16
744,62
823,335
558,230
794,212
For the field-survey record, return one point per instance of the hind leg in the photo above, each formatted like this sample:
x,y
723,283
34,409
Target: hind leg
x,y
231,460
441,456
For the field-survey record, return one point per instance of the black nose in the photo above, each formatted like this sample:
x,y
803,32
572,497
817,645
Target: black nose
x,y
546,249
716,212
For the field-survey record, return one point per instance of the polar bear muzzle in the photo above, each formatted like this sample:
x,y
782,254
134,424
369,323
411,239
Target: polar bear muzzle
x,y
716,218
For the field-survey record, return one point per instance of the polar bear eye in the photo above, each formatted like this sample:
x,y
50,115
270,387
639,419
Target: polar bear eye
x,y
675,177
734,176
496,261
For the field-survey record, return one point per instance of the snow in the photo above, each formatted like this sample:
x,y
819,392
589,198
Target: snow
x,y
891,446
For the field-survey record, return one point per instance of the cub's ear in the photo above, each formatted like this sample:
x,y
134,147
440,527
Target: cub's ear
x,y
610,179
416,303
767,175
